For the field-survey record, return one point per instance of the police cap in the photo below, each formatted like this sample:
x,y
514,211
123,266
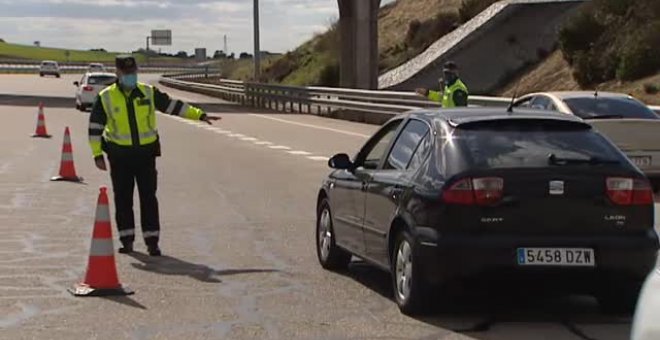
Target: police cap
x,y
450,66
126,63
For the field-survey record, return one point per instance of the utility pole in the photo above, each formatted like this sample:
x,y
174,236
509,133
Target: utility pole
x,y
257,48
225,50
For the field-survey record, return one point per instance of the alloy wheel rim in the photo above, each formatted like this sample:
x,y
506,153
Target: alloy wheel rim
x,y
403,270
325,235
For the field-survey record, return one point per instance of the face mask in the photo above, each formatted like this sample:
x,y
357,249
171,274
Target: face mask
x,y
128,81
450,77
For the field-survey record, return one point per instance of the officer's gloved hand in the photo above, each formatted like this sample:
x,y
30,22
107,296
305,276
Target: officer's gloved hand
x,y
209,119
100,163
422,92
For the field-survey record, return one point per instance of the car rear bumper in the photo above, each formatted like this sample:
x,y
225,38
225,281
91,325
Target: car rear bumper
x,y
454,256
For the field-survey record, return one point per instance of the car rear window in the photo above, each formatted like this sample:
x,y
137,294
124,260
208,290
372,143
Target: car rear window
x,y
604,107
515,144
101,80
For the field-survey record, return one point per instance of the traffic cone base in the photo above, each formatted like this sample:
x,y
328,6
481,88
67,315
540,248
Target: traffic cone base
x,y
82,289
41,136
67,179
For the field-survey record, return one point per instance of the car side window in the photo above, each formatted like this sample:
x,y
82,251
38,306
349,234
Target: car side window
x,y
372,153
406,144
542,103
422,151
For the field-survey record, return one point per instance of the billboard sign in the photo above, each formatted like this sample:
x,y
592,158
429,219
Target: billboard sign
x,y
161,37
200,54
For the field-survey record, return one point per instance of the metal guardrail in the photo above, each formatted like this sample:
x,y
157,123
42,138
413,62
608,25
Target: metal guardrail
x,y
314,100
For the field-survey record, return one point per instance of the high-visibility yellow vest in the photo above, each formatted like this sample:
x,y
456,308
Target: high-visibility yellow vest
x,y
118,127
447,98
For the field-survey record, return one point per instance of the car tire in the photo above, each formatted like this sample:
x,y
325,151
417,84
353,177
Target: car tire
x,y
619,299
57,75
41,75
330,256
411,290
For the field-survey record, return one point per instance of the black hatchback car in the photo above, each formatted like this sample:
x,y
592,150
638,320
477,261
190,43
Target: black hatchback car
x,y
445,196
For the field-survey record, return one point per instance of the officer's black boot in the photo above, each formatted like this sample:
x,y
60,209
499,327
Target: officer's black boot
x,y
153,250
127,248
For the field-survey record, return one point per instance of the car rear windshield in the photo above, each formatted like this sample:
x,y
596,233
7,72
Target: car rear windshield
x,y
515,144
600,107
101,80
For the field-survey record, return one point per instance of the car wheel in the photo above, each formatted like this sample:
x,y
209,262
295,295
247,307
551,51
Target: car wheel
x,y
57,75
41,75
619,298
330,256
411,291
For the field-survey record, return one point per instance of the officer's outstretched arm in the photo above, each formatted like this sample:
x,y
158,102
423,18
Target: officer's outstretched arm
x,y
175,107
97,121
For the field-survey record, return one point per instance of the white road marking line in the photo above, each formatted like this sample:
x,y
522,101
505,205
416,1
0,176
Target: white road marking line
x,y
263,143
310,126
279,147
302,153
248,139
238,135
318,158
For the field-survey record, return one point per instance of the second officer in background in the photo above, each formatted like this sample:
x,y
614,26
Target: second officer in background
x,y
123,125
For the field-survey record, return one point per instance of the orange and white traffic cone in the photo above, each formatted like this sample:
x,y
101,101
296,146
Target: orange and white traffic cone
x,y
101,278
67,168
40,131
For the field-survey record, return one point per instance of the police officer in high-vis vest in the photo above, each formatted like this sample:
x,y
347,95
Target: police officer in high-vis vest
x,y
455,92
123,124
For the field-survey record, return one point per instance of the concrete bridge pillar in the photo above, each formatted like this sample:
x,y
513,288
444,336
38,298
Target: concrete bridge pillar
x,y
358,26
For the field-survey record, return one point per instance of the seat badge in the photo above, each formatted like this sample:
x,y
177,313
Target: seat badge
x,y
556,187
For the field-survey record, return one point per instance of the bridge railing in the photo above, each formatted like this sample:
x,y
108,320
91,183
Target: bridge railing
x,y
364,105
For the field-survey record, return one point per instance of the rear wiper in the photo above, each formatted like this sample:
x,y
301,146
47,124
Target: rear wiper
x,y
554,160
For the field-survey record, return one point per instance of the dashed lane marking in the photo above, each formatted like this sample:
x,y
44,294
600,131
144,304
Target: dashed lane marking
x,y
279,147
310,126
318,158
248,139
302,153
263,143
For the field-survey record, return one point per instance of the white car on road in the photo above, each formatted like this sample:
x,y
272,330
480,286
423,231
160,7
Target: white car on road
x,y
49,67
96,67
627,122
89,87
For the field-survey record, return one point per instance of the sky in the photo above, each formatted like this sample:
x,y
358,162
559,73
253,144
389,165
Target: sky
x,y
123,25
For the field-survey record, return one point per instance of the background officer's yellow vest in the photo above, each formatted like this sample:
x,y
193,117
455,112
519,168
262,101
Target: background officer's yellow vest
x,y
448,95
118,129
447,99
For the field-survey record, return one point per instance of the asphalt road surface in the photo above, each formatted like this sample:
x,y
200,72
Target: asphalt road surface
x,y
237,208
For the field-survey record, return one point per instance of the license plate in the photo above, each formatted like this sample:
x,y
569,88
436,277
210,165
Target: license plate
x,y
641,161
577,257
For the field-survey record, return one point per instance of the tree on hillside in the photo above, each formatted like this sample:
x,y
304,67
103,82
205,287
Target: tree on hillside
x,y
181,54
245,55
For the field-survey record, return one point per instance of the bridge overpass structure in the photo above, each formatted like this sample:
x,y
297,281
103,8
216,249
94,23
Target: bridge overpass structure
x,y
506,37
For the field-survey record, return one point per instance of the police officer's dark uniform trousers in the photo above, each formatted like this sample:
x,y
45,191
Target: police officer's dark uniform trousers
x,y
123,125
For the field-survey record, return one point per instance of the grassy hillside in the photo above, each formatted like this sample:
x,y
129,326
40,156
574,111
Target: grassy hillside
x,y
15,51
555,74
608,44
406,28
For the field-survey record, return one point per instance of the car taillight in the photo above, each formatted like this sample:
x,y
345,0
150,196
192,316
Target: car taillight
x,y
479,191
88,88
628,191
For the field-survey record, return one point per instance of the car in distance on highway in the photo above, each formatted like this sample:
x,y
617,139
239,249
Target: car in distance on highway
x,y
89,87
630,124
49,67
439,197
96,67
